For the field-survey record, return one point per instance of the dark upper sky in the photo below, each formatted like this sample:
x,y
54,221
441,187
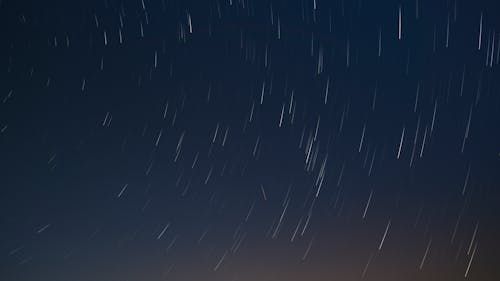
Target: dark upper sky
x,y
249,140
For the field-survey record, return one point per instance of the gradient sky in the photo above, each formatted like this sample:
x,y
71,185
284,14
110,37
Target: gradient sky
x,y
249,140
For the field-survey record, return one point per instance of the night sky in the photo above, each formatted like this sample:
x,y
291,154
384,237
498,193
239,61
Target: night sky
x,y
249,140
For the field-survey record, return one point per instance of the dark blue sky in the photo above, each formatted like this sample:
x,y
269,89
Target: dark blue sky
x,y
249,140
